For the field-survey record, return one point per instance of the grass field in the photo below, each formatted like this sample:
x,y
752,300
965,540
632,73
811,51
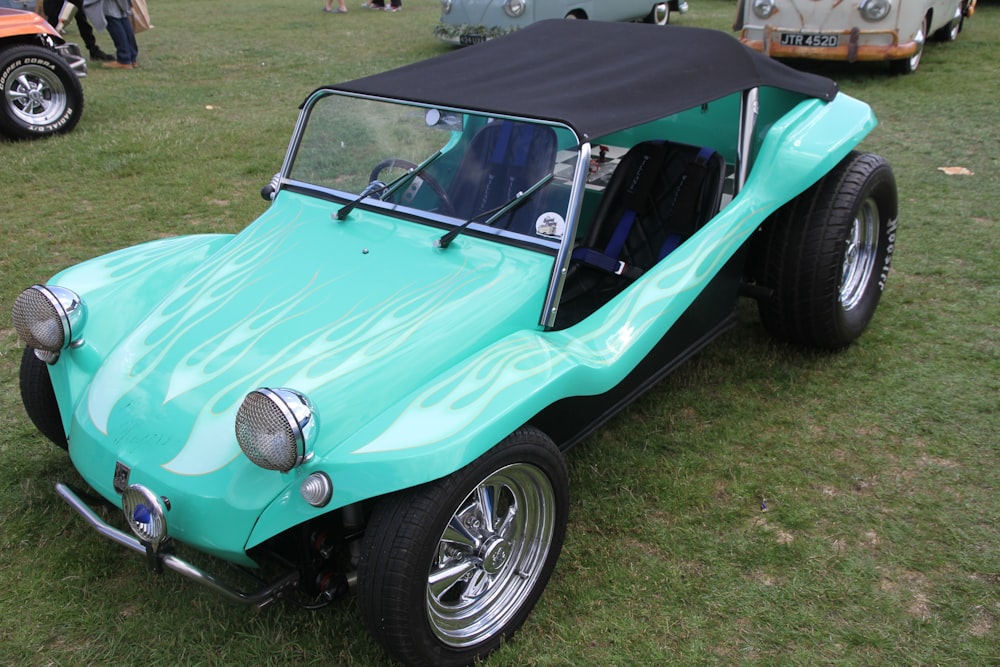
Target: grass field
x,y
878,465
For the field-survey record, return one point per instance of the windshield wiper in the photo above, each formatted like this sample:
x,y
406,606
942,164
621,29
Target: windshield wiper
x,y
386,189
496,213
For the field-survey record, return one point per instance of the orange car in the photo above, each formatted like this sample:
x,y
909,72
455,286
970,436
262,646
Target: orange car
x,y
39,77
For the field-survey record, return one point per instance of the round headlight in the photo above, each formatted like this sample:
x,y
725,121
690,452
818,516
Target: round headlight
x,y
514,8
144,515
48,318
274,426
763,8
875,10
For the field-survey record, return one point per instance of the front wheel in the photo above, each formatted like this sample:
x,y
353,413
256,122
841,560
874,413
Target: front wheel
x,y
825,255
659,14
910,65
39,398
451,568
42,96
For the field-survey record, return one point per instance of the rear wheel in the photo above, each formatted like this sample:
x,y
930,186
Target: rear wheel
x,y
40,399
42,96
826,255
451,568
949,33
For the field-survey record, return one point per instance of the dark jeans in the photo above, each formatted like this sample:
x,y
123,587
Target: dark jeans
x,y
52,9
393,3
126,48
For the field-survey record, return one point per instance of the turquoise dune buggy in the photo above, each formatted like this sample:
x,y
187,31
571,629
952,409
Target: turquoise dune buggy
x,y
466,268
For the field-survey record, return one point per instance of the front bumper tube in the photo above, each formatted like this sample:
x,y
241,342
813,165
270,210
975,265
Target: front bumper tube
x,y
258,599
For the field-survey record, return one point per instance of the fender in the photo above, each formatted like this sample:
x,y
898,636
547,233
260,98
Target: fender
x,y
119,289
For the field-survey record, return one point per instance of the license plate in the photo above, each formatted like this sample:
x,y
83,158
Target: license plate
x,y
802,39
466,40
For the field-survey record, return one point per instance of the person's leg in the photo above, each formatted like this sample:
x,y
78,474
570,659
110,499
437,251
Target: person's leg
x,y
133,45
87,34
123,54
51,9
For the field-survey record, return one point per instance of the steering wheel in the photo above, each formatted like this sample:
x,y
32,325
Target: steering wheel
x,y
399,163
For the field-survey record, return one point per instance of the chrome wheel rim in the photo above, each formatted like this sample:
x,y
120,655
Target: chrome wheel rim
x,y
489,557
35,95
919,38
661,13
859,255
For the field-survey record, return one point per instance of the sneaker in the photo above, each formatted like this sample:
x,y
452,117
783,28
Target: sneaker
x,y
114,64
392,9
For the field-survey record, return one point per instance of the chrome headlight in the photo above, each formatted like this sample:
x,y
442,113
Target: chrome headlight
x,y
763,8
144,515
274,428
875,10
49,318
445,6
514,8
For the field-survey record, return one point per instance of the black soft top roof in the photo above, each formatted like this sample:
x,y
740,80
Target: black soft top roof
x,y
597,77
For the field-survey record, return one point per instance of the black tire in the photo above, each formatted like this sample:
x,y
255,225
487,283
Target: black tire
x,y
826,255
39,398
41,95
438,585
949,33
910,65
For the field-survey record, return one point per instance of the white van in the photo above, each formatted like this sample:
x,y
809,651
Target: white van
x,y
465,22
857,30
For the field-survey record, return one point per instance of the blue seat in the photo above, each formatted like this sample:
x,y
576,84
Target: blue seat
x,y
660,194
503,158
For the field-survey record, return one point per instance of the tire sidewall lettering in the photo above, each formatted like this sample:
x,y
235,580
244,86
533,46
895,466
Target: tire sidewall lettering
x,y
21,62
889,248
37,59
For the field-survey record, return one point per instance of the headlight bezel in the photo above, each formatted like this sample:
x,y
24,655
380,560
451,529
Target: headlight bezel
x,y
144,515
515,8
875,10
49,319
762,9
274,428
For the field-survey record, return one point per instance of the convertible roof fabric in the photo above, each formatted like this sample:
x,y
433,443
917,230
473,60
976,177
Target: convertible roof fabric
x,y
597,77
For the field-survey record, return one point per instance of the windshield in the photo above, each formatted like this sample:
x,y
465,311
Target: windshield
x,y
502,176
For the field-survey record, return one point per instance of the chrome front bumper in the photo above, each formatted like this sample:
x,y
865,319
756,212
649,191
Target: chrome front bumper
x,y
74,58
258,599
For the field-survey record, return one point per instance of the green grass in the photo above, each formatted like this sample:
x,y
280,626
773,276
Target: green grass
x,y
878,465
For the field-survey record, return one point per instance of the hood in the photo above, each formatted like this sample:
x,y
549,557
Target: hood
x,y
16,22
355,314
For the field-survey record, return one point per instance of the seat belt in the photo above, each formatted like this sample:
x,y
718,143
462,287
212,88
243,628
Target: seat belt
x,y
642,180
